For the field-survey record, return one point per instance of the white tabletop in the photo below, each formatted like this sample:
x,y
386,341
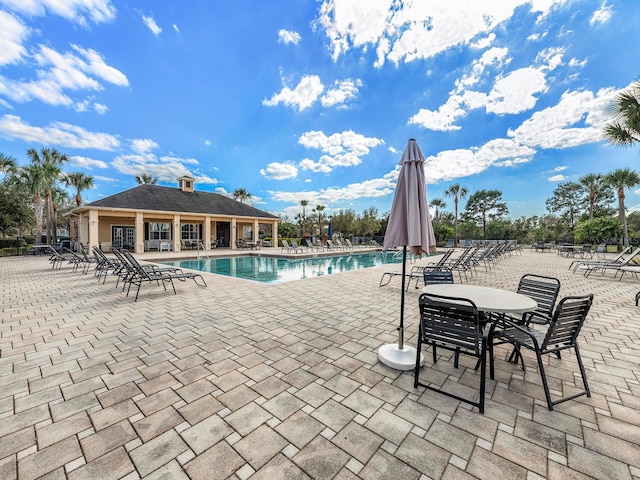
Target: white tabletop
x,y
487,299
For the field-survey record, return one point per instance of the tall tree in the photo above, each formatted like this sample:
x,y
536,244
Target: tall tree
x,y
566,202
30,179
7,163
486,205
49,161
620,180
146,179
596,190
80,182
320,209
438,203
458,193
303,204
15,213
369,223
241,194
624,129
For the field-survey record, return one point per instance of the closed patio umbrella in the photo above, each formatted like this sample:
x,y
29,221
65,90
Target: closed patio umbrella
x,y
409,227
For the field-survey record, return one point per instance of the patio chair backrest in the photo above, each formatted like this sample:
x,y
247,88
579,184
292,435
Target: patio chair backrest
x,y
435,275
633,260
544,290
450,322
445,258
566,323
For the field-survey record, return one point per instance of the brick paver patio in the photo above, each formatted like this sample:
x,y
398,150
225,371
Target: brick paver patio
x,y
245,380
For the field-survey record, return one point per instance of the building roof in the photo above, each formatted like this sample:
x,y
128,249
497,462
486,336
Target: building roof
x,y
154,197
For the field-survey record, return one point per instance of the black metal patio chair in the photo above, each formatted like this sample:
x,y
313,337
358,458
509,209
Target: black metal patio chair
x,y
452,324
562,334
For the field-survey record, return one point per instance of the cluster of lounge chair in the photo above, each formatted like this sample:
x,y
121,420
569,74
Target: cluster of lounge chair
x,y
334,245
466,263
618,265
124,267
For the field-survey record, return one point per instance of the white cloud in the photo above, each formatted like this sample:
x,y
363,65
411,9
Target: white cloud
x,y
602,15
80,69
106,179
143,145
341,92
374,188
151,24
56,133
175,27
279,171
577,119
100,108
451,164
557,178
86,162
82,106
289,36
13,33
78,11
513,92
166,168
414,30
560,168
341,149
301,97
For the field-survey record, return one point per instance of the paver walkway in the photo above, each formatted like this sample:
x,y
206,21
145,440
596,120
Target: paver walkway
x,y
245,380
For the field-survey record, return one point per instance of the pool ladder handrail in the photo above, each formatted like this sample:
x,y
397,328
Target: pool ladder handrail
x,y
201,245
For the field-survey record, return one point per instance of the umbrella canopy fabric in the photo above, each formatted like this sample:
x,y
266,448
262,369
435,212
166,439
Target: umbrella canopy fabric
x,y
330,231
409,221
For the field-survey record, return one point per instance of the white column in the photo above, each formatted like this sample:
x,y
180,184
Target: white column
x,y
206,234
234,237
93,238
139,232
177,233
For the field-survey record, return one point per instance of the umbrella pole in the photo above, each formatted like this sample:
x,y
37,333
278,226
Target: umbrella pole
x,y
404,272
397,355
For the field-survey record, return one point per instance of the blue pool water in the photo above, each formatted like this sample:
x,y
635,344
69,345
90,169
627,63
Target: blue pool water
x,y
278,270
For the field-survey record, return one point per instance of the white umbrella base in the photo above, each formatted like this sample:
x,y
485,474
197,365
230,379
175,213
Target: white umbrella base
x,y
394,357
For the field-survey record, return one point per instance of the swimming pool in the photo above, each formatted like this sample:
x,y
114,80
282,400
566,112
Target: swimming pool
x,y
278,270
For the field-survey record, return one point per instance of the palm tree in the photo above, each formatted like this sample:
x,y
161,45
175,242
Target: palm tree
x,y
58,196
30,178
438,203
146,179
624,130
591,184
457,192
80,182
304,203
241,194
49,161
621,179
319,209
7,163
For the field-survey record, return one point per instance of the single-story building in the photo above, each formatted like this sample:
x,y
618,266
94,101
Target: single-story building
x,y
151,217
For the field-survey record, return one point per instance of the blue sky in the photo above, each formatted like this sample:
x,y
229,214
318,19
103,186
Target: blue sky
x,y
315,100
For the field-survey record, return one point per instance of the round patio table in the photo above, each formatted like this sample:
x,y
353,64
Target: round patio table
x,y
486,299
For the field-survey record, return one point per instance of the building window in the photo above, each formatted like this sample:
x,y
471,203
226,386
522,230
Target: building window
x,y
189,231
159,231
187,184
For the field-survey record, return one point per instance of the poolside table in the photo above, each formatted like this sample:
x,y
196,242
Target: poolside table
x,y
486,299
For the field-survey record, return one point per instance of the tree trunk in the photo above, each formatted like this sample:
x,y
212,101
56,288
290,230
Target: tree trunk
x,y
623,218
38,213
